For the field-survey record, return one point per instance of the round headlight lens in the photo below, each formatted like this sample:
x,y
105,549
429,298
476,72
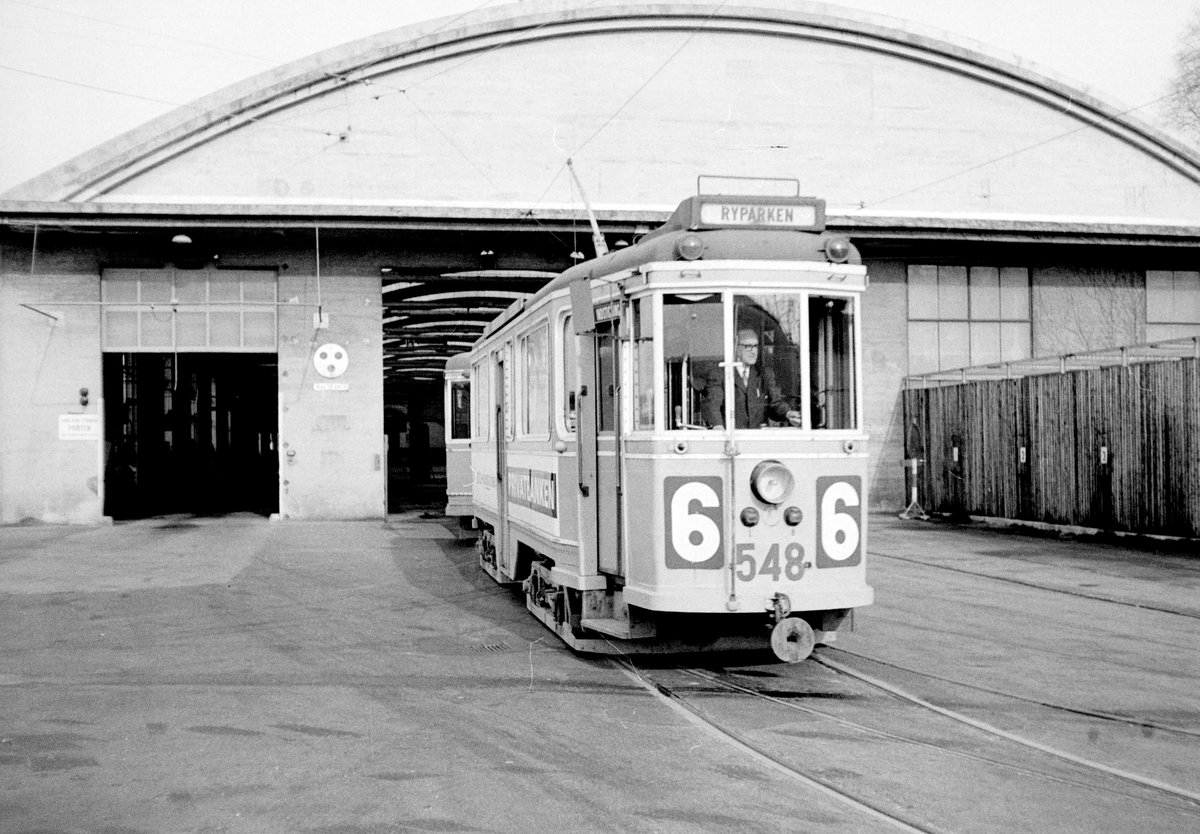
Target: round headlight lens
x,y
771,482
837,249
690,247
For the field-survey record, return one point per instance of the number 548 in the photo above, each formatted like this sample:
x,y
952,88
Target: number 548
x,y
790,566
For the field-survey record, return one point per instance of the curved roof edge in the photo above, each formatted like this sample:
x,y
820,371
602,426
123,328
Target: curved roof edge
x,y
106,166
22,214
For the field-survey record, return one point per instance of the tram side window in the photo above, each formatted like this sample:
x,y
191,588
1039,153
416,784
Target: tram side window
x,y
570,387
536,405
643,364
831,358
606,358
483,418
460,410
692,350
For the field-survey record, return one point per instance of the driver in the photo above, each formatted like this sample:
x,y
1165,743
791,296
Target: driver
x,y
757,395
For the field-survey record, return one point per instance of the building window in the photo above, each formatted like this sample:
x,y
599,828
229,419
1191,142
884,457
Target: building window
x,y
960,316
189,310
1172,304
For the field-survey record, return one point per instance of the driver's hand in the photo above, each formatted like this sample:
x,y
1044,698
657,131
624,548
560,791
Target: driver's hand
x,y
793,417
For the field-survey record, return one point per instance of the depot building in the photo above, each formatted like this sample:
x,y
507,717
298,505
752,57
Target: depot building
x,y
246,305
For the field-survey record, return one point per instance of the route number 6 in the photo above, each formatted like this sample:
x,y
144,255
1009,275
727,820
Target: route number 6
x,y
839,521
694,538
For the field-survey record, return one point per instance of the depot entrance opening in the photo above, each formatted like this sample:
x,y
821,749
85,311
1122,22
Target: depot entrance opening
x,y
190,433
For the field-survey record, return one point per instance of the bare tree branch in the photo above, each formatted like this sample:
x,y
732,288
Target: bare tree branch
x,y
1182,108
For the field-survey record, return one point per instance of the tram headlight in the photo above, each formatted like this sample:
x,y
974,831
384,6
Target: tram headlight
x,y
837,249
771,482
690,247
792,516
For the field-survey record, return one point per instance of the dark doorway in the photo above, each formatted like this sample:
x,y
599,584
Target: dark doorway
x,y
190,433
414,422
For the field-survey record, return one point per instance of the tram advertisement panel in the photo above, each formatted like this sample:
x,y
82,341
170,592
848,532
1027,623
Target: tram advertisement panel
x,y
534,489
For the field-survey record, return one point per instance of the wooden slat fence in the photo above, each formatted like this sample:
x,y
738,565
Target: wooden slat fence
x,y
1116,448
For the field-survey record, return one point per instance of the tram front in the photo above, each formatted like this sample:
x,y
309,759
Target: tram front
x,y
747,445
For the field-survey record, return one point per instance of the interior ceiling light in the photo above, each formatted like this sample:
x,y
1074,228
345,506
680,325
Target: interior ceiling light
x,y
181,239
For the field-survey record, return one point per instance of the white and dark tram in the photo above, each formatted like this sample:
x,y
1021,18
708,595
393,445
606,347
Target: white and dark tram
x,y
641,509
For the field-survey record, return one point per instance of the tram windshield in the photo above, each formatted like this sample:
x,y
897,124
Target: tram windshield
x,y
788,358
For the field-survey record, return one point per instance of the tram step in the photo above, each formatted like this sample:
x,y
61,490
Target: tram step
x,y
619,628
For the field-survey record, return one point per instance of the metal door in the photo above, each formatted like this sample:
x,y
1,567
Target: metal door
x,y
502,383
608,460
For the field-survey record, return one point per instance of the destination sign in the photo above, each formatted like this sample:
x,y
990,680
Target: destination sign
x,y
770,215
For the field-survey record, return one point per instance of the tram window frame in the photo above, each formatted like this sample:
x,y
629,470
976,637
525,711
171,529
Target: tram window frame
x,y
849,412
608,381
680,392
503,391
567,394
534,350
459,427
643,363
481,395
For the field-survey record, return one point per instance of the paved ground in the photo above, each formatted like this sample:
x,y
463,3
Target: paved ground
x,y
185,674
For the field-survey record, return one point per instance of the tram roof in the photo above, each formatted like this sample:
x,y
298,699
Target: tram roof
x,y
800,239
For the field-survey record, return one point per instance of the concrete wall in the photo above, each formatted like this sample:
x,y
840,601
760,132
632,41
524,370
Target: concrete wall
x,y
43,364
337,466
885,363
332,459
856,124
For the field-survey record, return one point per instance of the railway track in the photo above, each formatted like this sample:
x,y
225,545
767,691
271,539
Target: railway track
x,y
1130,720
882,716
1034,585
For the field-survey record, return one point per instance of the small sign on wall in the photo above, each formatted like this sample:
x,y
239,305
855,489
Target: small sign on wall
x,y
79,427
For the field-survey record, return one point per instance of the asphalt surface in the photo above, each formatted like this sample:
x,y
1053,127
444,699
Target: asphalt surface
x,y
232,674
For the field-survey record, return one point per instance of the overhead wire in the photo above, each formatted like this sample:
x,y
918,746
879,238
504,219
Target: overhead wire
x,y
274,122
574,152
1087,125
339,135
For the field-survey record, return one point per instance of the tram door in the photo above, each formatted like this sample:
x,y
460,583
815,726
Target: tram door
x,y
608,432
502,385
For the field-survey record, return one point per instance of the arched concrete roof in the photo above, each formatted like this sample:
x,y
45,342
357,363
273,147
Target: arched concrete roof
x,y
483,110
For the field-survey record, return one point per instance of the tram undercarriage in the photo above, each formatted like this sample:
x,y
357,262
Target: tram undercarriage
x,y
600,622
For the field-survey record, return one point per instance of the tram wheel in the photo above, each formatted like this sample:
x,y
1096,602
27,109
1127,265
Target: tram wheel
x,y
792,640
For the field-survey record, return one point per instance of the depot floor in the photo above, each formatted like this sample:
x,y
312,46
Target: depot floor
x,y
234,674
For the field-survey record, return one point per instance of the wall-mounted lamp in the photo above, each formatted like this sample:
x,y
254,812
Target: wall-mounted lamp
x,y
577,255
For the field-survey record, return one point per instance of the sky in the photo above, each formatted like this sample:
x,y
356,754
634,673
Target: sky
x,y
75,73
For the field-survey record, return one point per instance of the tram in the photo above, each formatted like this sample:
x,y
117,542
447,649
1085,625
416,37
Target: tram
x,y
639,507
457,405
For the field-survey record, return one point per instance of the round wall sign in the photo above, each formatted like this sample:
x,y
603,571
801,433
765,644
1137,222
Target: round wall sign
x,y
330,360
